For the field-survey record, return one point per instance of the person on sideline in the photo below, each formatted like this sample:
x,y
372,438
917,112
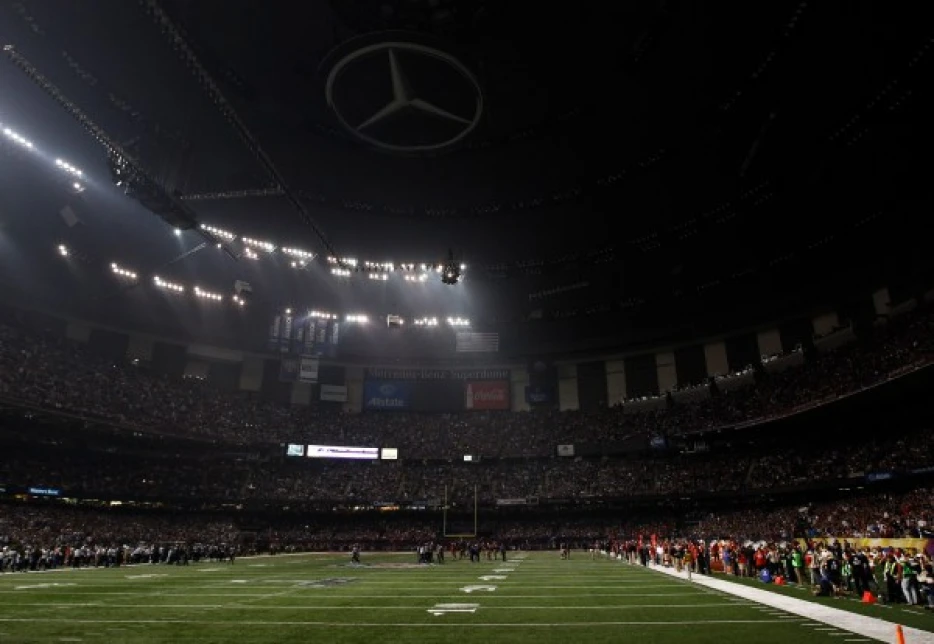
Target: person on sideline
x,y
688,561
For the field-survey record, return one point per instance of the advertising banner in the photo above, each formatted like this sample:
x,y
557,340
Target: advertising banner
x,y
473,342
333,393
565,450
334,451
512,501
308,369
387,394
918,545
486,395
45,491
540,395
392,373
288,369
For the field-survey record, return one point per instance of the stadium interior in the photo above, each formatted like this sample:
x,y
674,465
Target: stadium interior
x,y
636,296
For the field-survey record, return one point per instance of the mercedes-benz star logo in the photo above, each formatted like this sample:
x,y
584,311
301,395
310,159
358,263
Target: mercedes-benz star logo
x,y
433,101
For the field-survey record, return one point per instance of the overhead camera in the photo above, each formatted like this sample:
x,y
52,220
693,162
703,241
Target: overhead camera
x,y
450,271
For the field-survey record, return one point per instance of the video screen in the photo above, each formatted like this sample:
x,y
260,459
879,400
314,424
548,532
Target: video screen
x,y
332,451
295,450
389,454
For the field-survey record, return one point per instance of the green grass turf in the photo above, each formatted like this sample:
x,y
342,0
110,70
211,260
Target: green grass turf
x,y
914,616
269,599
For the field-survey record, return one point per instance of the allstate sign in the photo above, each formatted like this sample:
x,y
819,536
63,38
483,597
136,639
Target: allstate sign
x,y
387,394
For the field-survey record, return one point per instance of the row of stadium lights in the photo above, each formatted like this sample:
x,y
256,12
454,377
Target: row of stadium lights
x,y
358,318
382,269
174,287
129,275
433,321
302,256
199,292
26,144
344,267
321,315
378,271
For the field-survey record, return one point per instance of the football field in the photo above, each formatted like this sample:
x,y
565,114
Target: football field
x,y
535,598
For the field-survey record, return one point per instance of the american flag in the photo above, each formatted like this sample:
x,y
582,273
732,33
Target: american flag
x,y
471,342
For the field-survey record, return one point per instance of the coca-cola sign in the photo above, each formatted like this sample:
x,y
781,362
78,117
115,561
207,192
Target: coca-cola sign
x,y
486,394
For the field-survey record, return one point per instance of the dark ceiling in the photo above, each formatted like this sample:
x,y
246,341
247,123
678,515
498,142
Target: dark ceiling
x,y
694,144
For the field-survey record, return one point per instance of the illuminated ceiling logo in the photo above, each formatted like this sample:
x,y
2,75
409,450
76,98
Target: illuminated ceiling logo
x,y
404,97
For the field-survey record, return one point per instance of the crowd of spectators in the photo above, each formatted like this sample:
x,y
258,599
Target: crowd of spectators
x,y
206,476
42,370
882,516
209,477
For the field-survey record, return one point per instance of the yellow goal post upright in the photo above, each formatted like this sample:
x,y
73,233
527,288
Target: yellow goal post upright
x,y
444,519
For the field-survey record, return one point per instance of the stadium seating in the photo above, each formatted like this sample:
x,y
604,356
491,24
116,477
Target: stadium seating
x,y
101,434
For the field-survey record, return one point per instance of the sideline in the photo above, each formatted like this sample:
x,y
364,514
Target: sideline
x,y
225,565
878,629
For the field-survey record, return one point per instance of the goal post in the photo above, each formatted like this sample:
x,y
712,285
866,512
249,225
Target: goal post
x,y
459,533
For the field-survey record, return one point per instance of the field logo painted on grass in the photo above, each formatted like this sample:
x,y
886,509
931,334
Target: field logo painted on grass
x,y
443,609
504,570
39,586
331,582
149,576
492,578
386,566
478,589
239,581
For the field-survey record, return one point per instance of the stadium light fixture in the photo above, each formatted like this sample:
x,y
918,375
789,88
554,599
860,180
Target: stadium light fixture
x,y
116,269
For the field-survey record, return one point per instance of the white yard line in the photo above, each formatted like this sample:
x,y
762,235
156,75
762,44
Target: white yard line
x,y
873,627
304,607
503,596
238,624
